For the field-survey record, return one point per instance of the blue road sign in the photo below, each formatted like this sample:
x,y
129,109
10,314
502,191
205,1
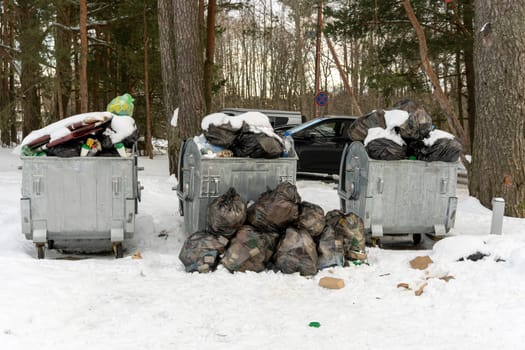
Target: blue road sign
x,y
321,98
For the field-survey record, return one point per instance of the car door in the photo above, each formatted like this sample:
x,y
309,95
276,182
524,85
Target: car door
x,y
320,146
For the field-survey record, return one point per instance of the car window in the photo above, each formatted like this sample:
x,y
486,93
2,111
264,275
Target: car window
x,y
328,129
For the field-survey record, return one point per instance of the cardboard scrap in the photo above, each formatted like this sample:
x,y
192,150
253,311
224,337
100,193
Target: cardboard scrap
x,y
447,278
331,283
137,255
418,292
421,262
420,289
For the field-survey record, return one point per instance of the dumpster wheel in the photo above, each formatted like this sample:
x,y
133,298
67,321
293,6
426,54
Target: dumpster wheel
x,y
40,253
117,250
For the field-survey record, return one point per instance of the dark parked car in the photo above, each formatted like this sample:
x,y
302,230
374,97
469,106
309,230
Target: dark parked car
x,y
319,143
279,119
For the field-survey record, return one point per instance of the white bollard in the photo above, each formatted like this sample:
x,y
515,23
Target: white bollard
x,y
498,209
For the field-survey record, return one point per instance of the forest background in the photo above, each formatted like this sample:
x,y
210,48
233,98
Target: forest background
x,y
459,59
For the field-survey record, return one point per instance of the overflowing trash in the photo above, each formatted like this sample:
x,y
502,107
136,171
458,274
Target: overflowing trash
x,y
109,133
276,230
404,132
246,135
280,232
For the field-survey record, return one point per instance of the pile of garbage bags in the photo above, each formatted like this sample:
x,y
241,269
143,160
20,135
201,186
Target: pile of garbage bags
x,y
278,231
247,135
404,132
109,133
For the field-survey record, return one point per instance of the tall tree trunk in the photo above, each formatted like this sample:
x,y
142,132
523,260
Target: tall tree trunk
x,y
149,148
83,57
166,18
30,43
5,63
189,68
63,60
468,18
210,51
498,157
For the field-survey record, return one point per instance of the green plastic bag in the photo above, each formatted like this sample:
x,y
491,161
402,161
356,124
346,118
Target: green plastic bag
x,y
121,105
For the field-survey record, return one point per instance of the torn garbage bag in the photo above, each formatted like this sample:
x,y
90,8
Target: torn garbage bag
x,y
349,228
250,250
330,249
201,251
296,253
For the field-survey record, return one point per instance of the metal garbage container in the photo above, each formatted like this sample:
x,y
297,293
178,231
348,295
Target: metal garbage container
x,y
398,197
201,179
79,198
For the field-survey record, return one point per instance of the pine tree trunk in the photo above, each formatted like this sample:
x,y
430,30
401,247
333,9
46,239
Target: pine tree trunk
x,y
210,51
169,77
149,148
83,57
189,68
30,43
4,78
498,157
63,61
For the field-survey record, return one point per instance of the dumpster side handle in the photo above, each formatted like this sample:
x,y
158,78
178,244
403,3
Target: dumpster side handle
x,y
189,194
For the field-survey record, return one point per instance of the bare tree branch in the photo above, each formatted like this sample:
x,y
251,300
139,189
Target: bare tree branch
x,y
438,93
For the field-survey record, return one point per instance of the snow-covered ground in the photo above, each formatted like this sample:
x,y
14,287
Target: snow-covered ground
x,y
94,301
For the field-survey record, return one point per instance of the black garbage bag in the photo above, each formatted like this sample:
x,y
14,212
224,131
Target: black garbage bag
x,y
201,251
296,252
250,250
226,214
330,250
311,218
386,149
66,149
359,128
256,145
419,122
222,135
417,126
444,150
350,229
275,209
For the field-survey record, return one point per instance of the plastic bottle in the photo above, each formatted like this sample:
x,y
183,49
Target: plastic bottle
x,y
287,144
121,150
84,150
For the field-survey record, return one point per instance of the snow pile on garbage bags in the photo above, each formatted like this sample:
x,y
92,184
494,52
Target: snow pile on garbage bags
x,y
246,135
404,132
279,232
107,133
